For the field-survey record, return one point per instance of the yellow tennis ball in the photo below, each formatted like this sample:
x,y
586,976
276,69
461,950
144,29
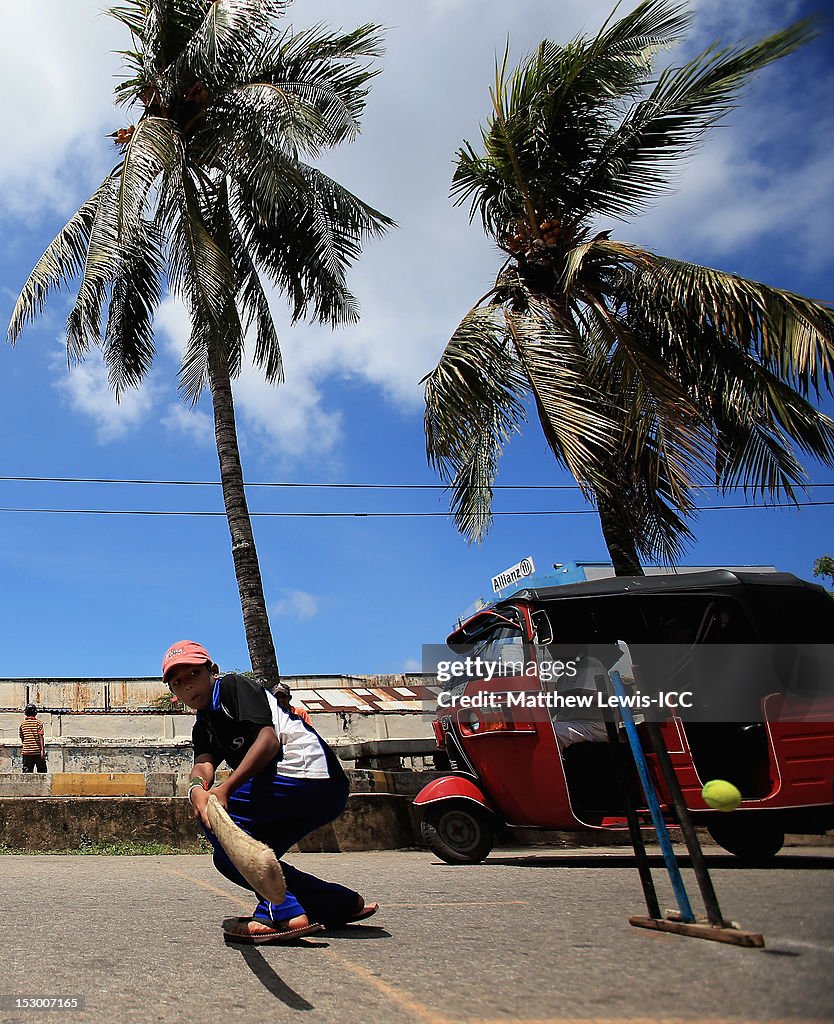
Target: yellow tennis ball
x,y
721,795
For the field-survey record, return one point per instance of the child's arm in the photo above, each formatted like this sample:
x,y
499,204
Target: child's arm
x,y
266,748
203,770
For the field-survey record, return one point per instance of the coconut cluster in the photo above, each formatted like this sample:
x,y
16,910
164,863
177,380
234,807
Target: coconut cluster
x,y
550,231
124,135
520,238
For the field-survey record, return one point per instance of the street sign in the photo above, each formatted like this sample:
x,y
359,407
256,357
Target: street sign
x,y
512,575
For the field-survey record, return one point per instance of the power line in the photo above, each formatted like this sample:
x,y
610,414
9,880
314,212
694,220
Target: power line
x,y
373,515
332,486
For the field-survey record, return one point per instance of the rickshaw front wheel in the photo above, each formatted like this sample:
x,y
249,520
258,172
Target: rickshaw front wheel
x,y
751,839
458,831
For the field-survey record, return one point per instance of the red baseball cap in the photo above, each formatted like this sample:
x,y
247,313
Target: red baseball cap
x,y
184,652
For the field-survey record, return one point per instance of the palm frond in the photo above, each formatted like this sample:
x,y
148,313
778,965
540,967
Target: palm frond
x,y
649,515
791,335
474,404
194,368
201,273
128,348
306,246
628,361
199,269
254,310
104,259
554,113
632,168
322,80
61,263
759,425
152,151
229,35
575,416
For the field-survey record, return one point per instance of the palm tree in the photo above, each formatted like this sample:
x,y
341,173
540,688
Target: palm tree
x,y
649,375
213,193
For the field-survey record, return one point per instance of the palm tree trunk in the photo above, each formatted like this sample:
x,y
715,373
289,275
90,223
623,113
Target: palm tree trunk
x,y
618,540
244,553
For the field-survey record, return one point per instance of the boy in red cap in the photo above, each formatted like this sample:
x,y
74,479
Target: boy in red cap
x,y
285,782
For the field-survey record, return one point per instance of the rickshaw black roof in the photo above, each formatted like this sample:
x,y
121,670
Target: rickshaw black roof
x,y
720,580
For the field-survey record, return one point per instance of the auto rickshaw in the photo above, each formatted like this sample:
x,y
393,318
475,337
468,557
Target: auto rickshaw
x,y
511,767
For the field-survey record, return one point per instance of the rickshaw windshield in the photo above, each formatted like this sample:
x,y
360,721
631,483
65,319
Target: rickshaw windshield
x,y
489,639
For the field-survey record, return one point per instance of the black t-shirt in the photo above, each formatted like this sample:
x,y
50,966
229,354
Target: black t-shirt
x,y
231,723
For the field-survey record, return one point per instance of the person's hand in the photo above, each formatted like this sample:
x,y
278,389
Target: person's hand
x,y
199,801
222,794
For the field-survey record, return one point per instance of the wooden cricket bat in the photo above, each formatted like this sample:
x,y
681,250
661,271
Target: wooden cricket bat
x,y
253,859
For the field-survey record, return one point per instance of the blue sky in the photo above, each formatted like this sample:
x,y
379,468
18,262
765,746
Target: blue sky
x,y
104,595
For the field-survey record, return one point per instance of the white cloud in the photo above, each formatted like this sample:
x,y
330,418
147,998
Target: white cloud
x,y
172,321
193,424
286,422
297,604
415,284
56,74
738,193
730,23
88,391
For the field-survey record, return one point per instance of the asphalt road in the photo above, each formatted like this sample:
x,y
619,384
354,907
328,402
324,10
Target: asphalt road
x,y
537,937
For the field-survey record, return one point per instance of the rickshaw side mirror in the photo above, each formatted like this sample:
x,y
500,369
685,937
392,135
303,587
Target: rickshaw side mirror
x,y
542,628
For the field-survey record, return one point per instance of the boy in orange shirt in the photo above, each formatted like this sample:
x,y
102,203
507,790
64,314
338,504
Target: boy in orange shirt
x,y
31,736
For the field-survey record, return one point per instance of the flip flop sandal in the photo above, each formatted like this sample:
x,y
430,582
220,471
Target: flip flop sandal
x,y
367,911
271,936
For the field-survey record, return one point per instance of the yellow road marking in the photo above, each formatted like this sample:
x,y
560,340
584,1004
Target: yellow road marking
x,y
402,999
428,1016
237,900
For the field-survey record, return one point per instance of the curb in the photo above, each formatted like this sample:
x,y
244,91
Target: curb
x,y
371,821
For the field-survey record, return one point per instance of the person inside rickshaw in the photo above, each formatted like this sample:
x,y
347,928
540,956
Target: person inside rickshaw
x,y
597,655
736,750
581,734
594,780
585,725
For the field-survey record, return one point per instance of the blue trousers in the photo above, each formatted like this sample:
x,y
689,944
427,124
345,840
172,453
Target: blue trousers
x,y
279,811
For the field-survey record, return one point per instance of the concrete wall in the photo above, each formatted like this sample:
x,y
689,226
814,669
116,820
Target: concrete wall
x,y
342,727
326,693
92,754
82,694
109,725
370,822
89,783
162,742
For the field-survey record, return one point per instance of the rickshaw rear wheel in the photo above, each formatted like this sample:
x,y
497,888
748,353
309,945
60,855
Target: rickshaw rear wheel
x,y
752,840
458,831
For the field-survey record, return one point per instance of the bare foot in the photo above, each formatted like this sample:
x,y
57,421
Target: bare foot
x,y
363,910
302,921
251,926
247,929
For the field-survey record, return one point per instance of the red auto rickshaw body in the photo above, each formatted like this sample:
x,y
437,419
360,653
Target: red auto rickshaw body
x,y
452,787
509,768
